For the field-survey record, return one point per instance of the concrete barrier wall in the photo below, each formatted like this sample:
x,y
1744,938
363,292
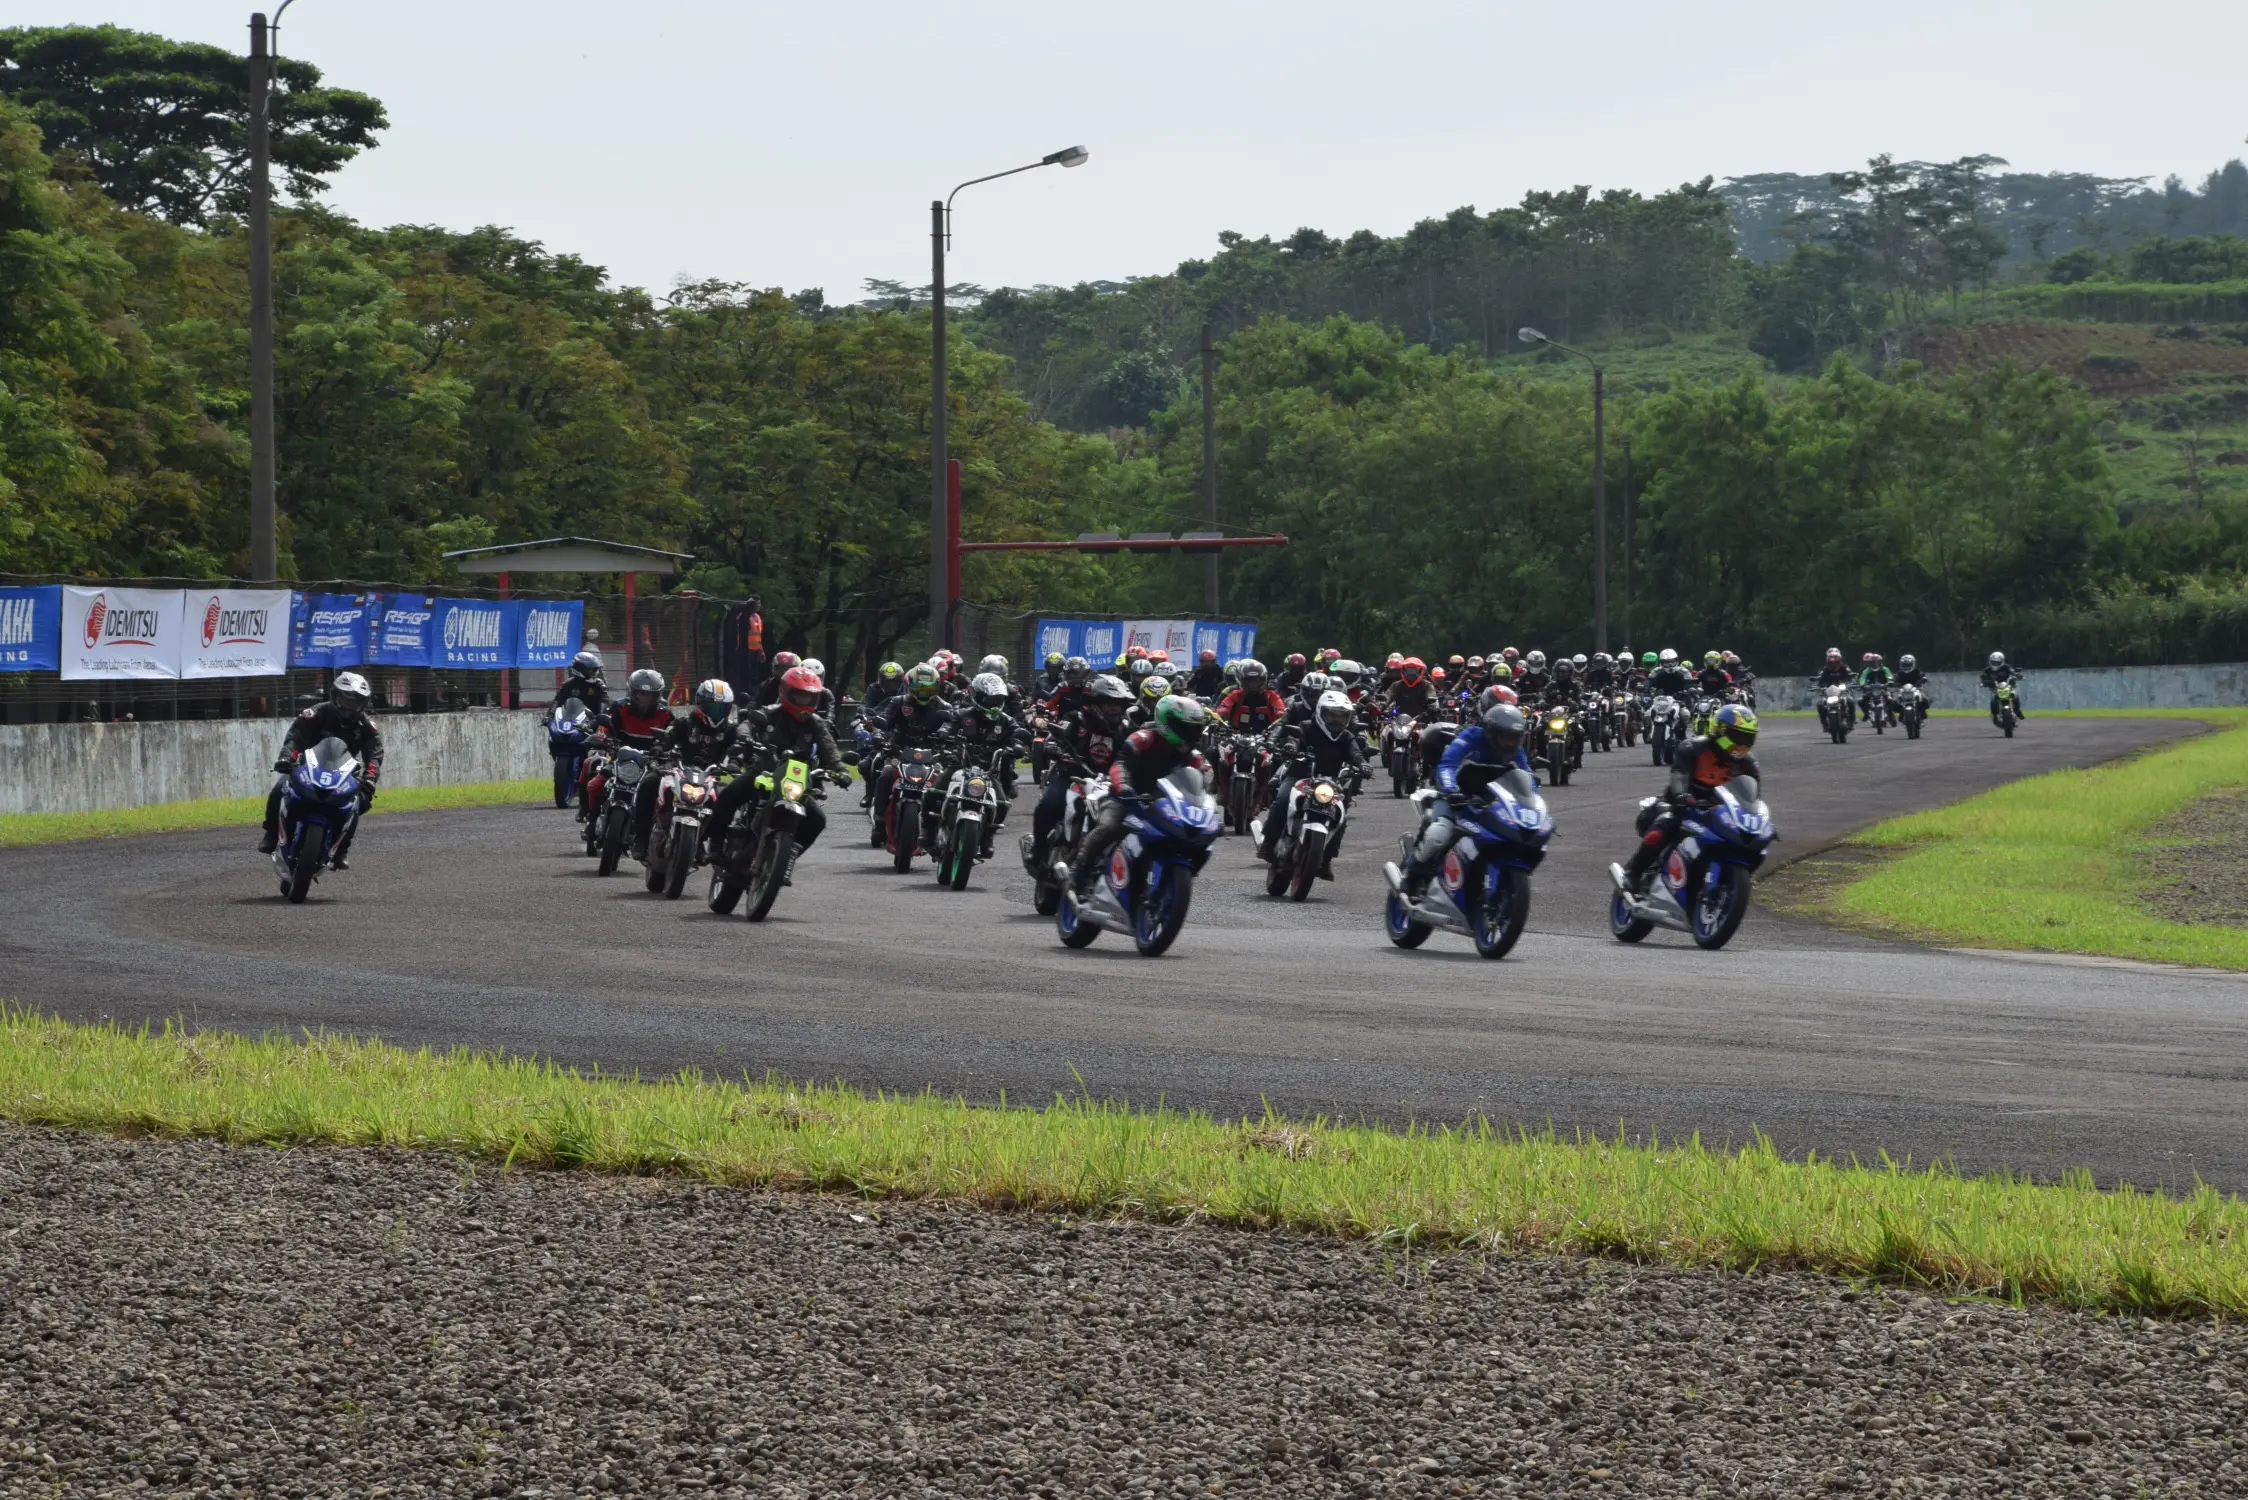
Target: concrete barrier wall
x,y
49,768
2214,685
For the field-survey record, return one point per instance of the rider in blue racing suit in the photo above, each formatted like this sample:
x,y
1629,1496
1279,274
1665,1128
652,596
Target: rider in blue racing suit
x,y
1477,756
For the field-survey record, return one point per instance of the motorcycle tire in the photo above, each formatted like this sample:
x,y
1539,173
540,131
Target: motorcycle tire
x,y
1499,918
657,861
725,891
1719,906
612,841
765,877
1158,919
312,853
682,862
1912,729
1276,876
1404,929
1397,781
1069,923
564,779
1045,897
1557,765
901,844
1309,852
1622,924
2008,726
963,862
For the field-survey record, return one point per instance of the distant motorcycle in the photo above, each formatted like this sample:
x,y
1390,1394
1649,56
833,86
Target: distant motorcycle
x,y
619,791
1148,885
1315,808
1912,709
569,729
319,805
684,799
2003,711
1701,885
1482,889
1666,724
967,816
1837,711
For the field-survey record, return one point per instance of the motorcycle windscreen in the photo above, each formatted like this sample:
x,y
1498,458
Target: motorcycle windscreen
x,y
570,714
332,755
1186,784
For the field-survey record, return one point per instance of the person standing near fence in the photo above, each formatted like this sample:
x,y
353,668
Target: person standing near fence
x,y
741,642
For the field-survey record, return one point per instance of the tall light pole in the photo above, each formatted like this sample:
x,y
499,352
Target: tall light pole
x,y
1599,485
264,526
1209,467
940,517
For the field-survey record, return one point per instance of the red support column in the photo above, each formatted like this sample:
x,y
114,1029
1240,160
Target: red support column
x,y
952,553
507,678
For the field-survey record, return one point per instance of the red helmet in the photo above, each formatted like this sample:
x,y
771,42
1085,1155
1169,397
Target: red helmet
x,y
1295,659
785,661
1512,656
801,692
1209,658
1134,653
1159,654
1411,670
1437,676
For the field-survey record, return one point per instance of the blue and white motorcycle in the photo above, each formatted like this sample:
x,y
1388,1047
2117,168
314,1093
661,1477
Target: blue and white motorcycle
x,y
1701,886
569,730
1149,883
319,805
1482,888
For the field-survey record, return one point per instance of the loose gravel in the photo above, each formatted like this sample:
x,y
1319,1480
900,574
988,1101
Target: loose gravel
x,y
194,1319
2202,877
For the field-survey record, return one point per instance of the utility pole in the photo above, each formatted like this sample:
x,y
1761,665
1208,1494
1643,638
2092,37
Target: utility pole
x,y
940,485
264,545
1599,512
1209,468
1630,514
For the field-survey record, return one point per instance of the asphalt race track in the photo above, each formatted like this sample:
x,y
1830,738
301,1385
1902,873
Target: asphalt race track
x,y
488,928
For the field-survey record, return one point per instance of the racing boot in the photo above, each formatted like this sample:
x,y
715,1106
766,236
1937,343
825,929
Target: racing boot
x,y
1632,874
269,840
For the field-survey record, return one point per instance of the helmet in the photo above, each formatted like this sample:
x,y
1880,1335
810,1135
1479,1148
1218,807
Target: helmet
x,y
1998,658
1313,685
714,701
1732,659
924,682
586,665
1669,657
1055,661
990,692
992,663
816,667
1160,656
1436,676
1491,697
1349,671
1295,659
1874,657
1834,655
1334,713
1134,653
1328,656
1503,728
1077,670
1905,663
1648,659
1142,668
801,692
1535,661
1579,662
1411,670
1734,729
645,689
350,690
1867,660
1252,673
783,661
1208,658
1454,663
889,671
1153,686
1181,720
1475,664
1107,697
1394,659
1712,659
1511,654
1500,671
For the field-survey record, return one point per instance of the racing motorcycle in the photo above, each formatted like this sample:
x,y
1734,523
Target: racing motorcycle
x,y
1912,709
1482,889
1400,753
1315,808
1666,721
1701,885
914,772
2003,711
750,856
1145,891
684,799
1081,807
627,768
967,817
319,805
569,726
1836,711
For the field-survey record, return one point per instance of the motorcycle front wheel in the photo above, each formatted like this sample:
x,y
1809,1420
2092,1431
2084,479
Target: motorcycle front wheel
x,y
1719,906
312,852
1500,916
765,876
682,861
1405,930
612,840
1162,912
1310,850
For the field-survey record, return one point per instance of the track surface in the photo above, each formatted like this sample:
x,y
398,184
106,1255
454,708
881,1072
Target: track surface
x,y
487,928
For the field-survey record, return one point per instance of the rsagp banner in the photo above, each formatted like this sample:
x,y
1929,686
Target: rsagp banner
x,y
329,630
123,634
235,633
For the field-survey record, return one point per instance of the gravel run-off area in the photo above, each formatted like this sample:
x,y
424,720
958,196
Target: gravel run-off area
x,y
2200,862
196,1319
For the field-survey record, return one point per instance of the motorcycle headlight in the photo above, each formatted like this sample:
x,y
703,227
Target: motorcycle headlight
x,y
1557,726
792,791
690,792
1323,794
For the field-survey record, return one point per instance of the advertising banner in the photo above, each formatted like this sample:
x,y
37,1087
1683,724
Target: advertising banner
x,y
399,632
1208,637
235,633
31,629
1065,636
121,634
472,634
547,631
1103,643
329,630
1239,641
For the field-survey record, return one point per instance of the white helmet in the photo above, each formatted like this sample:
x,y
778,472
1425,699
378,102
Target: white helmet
x,y
1334,714
815,666
1535,661
1669,658
350,690
1578,661
1997,659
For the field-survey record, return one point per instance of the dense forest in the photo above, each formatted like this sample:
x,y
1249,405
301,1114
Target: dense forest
x,y
1819,454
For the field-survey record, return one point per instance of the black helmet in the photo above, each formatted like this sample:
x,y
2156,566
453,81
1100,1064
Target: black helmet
x,y
586,665
1253,675
1108,697
1503,728
645,689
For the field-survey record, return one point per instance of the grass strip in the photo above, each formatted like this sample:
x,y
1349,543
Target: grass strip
x,y
1475,1187
2054,863
19,830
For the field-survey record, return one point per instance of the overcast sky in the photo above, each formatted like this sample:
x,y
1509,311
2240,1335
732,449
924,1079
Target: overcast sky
x,y
799,145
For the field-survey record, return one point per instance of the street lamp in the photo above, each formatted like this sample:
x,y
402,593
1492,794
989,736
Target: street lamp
x,y
1599,484
264,544
940,488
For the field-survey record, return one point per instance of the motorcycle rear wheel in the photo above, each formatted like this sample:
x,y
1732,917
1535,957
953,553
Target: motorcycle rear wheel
x,y
1719,906
1160,915
725,891
1070,923
1499,918
312,853
1276,872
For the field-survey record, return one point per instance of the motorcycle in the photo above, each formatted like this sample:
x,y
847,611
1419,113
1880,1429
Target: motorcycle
x,y
2003,713
319,805
683,801
1836,711
1399,754
1876,705
967,818
1148,886
1249,769
1666,723
1560,745
593,778
1701,886
914,775
751,855
1081,807
568,728
627,769
1911,709
1316,808
1482,889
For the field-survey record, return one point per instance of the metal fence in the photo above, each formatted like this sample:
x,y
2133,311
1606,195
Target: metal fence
x,y
680,635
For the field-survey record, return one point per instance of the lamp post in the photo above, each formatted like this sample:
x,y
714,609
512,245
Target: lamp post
x,y
1599,485
264,526
941,540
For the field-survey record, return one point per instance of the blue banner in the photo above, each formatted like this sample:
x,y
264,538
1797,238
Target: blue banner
x,y
400,634
471,634
329,630
1100,642
1240,641
31,629
547,631
1065,636
1208,637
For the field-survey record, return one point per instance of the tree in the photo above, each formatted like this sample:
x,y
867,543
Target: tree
x,y
164,126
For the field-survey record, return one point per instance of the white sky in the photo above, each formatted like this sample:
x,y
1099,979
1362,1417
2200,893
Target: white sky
x,y
799,145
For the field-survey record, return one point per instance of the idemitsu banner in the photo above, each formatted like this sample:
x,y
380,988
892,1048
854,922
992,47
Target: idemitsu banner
x,y
31,629
121,634
235,633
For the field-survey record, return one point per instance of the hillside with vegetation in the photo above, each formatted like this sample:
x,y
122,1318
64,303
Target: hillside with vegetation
x,y
1890,416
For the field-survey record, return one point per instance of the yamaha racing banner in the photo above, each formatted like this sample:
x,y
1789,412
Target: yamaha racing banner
x,y
399,633
121,634
1103,643
471,634
547,631
235,633
329,630
1237,642
31,629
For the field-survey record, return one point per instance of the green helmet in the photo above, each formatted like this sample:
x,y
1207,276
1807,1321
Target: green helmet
x,y
889,671
923,682
1649,659
1181,720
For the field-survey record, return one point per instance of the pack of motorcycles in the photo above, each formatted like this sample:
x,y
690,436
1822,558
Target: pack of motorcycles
x,y
945,804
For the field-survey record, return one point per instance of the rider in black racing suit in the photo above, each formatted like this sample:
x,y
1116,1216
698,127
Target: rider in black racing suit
x,y
793,729
921,718
345,716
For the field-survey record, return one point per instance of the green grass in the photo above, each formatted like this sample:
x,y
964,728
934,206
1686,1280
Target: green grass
x,y
1474,1188
2054,863
20,829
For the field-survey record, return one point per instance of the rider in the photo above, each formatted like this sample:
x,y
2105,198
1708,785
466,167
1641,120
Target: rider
x,y
920,718
1531,679
1638,679
1600,677
1411,695
1330,747
1670,677
1305,699
1065,700
1702,764
1153,689
1291,674
1713,679
1909,673
704,736
585,684
1564,684
1207,680
1172,740
1477,756
1872,674
348,715
1253,707
889,682
1999,671
1050,680
793,729
989,727
1084,745
769,691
